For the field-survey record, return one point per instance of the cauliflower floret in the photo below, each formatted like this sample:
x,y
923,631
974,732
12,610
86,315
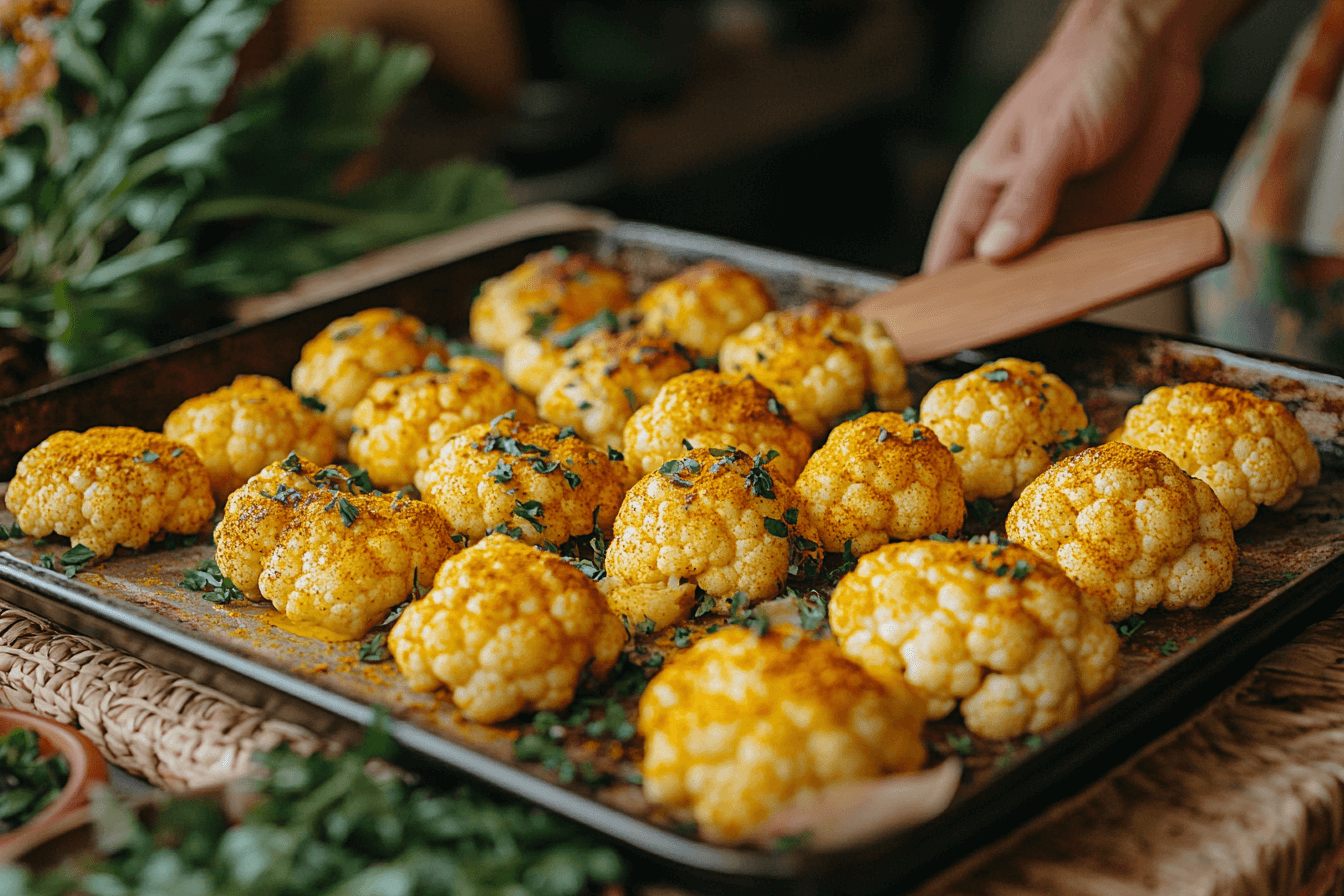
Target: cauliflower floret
x,y
605,378
342,562
878,479
714,410
506,628
703,305
530,362
990,624
402,421
1249,450
739,726
529,480
713,518
339,364
820,362
110,485
1009,416
243,427
553,290
1130,528
257,513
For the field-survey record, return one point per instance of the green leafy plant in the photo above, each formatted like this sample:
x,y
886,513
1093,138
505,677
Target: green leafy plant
x,y
131,195
28,782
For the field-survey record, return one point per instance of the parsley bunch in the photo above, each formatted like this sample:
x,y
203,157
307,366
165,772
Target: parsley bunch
x,y
28,783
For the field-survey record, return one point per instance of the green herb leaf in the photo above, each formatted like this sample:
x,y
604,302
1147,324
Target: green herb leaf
x,y
776,527
75,559
147,457
531,511
349,512
373,649
212,584
910,415
566,432
312,401
962,744
791,516
955,448
1128,627
614,454
997,375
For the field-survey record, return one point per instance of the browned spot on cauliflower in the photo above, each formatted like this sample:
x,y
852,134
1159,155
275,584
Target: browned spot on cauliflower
x,y
343,561
528,480
339,364
241,428
506,628
878,479
110,485
1249,450
402,421
1130,528
713,518
553,290
703,305
820,362
991,625
257,513
605,378
741,725
1008,417
714,410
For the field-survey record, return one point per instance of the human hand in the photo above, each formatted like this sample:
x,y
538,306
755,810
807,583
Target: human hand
x,y
1080,141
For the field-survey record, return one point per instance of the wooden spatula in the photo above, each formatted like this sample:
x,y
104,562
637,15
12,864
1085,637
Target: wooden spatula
x,y
976,302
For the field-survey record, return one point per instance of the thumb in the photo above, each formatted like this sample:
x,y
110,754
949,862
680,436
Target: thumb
x,y
1028,203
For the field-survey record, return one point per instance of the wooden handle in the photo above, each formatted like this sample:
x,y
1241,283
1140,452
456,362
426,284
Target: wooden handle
x,y
979,302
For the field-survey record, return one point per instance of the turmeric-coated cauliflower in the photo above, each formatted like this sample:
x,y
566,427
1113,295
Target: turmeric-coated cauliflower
x,y
713,518
339,364
403,420
110,485
1249,450
242,427
529,480
1007,418
343,561
878,479
507,627
740,725
605,378
703,305
258,512
529,363
550,291
1130,528
990,624
821,362
714,410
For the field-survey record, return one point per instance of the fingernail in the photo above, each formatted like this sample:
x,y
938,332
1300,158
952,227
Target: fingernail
x,y
998,239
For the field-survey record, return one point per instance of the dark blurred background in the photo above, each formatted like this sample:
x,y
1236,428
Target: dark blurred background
x,y
823,127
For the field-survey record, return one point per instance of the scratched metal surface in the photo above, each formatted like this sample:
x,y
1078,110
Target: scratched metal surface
x,y
1290,567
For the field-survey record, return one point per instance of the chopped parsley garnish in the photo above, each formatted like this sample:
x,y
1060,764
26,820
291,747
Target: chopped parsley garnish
x,y
961,743
910,415
545,467
1033,741
572,478
540,324
176,452
682,637
882,434
614,454
47,560
1169,647
791,516
212,584
585,405
1088,435
1021,569
347,332
938,536
772,405
147,457
292,463
983,510
776,527
705,603
566,432
75,559
758,478
434,364
647,627
373,649
955,448
513,532
811,609
530,511
312,401
6,533
1128,627
630,398
997,375
349,512
917,435
282,493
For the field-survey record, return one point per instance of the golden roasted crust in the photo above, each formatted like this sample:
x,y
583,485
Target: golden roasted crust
x,y
703,305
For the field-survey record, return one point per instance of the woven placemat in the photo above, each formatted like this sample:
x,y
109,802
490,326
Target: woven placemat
x,y
173,732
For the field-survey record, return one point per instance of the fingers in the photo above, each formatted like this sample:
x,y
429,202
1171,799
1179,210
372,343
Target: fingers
x,y
1028,202
970,196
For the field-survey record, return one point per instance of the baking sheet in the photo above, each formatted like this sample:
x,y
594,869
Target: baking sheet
x,y
1290,567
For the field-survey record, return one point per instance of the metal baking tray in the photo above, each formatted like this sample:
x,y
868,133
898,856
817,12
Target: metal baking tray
x,y
1290,569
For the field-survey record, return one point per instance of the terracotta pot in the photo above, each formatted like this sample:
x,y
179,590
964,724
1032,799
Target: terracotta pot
x,y
87,769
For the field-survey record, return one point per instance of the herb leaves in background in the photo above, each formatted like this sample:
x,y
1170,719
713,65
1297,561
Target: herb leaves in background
x,y
129,205
28,783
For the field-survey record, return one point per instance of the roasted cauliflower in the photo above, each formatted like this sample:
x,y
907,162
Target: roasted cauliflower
x,y
530,480
339,364
740,725
529,362
1249,450
713,518
239,429
605,378
403,420
1005,421
110,485
821,362
506,628
343,561
1130,528
879,479
258,512
991,625
550,291
703,305
714,410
